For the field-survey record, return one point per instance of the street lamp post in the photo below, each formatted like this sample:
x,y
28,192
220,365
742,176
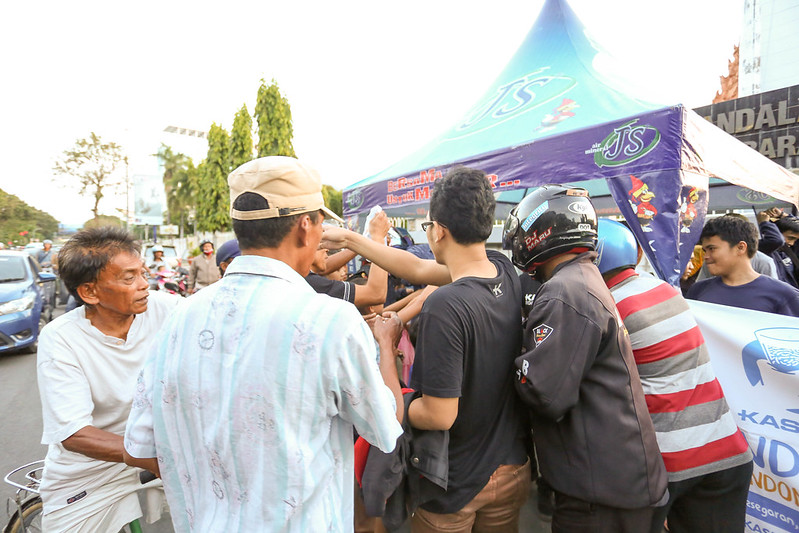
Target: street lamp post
x,y
127,196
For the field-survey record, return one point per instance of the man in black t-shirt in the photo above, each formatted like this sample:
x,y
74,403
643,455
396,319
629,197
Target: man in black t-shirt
x,y
469,336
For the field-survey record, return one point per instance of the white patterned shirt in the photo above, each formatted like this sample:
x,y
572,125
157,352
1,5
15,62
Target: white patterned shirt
x,y
249,402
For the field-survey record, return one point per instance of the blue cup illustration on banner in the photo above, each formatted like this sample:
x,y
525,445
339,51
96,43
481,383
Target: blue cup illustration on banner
x,y
781,346
778,346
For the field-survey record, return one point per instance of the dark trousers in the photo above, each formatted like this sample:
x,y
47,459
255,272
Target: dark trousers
x,y
713,503
578,516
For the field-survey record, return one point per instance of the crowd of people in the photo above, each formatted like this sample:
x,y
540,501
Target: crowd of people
x,y
557,365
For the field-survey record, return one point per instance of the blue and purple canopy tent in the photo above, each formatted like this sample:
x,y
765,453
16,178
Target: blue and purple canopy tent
x,y
551,117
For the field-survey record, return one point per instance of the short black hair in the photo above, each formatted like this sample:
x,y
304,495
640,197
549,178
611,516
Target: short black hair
x,y
732,230
88,252
266,232
787,224
464,203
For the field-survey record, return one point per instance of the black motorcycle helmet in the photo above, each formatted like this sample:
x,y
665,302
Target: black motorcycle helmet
x,y
550,221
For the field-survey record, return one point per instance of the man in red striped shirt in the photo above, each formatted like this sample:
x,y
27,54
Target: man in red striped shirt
x,y
707,457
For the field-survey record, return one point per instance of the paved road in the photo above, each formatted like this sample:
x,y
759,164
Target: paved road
x,y
21,431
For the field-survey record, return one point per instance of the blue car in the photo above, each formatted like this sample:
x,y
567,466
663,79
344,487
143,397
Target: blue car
x,y
26,295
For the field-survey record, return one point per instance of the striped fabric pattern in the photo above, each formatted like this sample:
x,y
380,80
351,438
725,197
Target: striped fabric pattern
x,y
695,429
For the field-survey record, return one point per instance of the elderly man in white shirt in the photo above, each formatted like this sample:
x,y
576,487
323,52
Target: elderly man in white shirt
x,y
254,387
88,362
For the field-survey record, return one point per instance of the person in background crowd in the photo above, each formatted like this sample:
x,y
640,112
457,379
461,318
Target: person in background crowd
x,y
338,275
157,262
707,457
203,270
372,292
761,263
593,435
45,255
729,244
87,365
253,389
225,255
778,234
469,335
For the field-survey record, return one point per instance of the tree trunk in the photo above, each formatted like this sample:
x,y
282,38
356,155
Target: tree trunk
x,y
98,195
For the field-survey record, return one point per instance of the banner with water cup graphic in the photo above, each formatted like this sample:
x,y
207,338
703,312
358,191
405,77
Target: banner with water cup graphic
x,y
756,358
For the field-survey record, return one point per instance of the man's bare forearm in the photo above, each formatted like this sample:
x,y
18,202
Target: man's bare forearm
x,y
337,260
374,292
147,463
388,370
413,309
402,264
96,443
401,304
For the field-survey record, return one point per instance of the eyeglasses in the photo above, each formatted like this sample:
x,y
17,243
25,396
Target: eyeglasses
x,y
426,224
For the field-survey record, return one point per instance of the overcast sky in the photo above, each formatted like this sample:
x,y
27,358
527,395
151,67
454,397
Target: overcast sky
x,y
368,82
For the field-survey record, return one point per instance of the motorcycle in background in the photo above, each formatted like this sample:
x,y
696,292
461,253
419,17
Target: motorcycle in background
x,y
170,281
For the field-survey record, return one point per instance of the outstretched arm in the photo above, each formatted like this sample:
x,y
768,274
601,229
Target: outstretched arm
x,y
336,261
400,304
402,264
374,292
413,309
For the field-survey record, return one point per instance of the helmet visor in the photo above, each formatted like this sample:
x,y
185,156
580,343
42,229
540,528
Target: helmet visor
x,y
510,230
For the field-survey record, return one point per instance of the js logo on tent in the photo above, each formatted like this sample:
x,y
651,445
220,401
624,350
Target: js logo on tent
x,y
627,143
754,197
513,99
354,199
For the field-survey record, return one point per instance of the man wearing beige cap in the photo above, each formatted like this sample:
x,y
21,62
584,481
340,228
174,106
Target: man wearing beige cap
x,y
250,398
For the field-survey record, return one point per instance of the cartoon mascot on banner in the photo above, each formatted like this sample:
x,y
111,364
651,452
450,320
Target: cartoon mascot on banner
x,y
559,114
688,209
640,197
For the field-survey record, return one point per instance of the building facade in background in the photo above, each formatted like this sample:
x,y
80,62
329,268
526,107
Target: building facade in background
x,y
769,52
759,99
767,122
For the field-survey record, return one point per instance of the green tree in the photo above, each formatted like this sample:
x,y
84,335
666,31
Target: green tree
x,y
104,220
18,217
273,115
333,200
180,185
241,138
93,163
213,197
